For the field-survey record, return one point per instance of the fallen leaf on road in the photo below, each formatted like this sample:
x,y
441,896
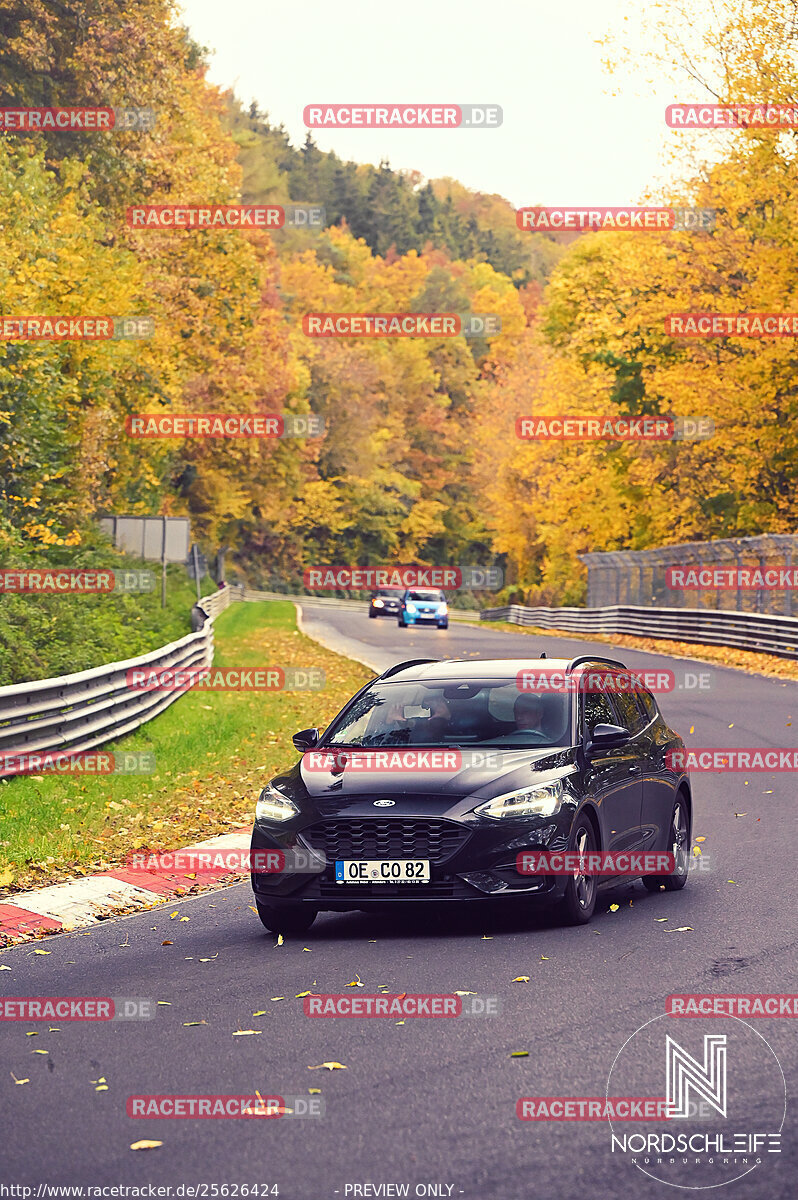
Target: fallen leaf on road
x,y
167,1003
355,982
42,951
277,997
613,908
486,939
260,1013
187,1023
167,943
252,906
745,814
280,939
185,918
19,1081
520,979
307,950
212,957
314,1091
176,913
145,1145
299,995
32,1033
40,1051
544,958
3,967
680,929
701,839
398,1022
662,918
465,993
246,1032
519,1054
692,728
103,1087
331,1066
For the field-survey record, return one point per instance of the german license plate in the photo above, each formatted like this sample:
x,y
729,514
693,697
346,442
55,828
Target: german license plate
x,y
382,870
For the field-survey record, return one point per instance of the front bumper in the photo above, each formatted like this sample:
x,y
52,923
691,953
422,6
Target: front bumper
x,y
468,863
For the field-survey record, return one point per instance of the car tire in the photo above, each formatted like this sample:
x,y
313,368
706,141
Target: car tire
x,y
579,902
373,616
443,624
287,919
679,839
401,623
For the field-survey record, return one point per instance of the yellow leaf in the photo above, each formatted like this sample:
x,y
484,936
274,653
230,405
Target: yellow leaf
x,y
692,728
185,918
355,982
187,1023
520,979
40,1051
614,908
260,1013
330,1066
103,1087
246,1032
42,951
465,993
279,997
145,1145
3,967
314,1091
299,995
280,939
520,1054
19,1081
173,915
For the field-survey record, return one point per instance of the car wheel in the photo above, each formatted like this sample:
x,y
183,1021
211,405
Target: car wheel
x,y
679,845
579,902
373,616
443,624
401,623
289,918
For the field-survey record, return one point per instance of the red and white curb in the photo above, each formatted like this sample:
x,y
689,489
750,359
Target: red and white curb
x,y
82,902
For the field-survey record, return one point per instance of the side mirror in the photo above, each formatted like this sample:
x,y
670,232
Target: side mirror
x,y
306,739
607,737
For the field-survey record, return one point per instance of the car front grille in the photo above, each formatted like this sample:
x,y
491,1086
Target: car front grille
x,y
395,837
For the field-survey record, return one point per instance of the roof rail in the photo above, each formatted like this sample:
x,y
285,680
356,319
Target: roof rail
x,y
411,662
594,658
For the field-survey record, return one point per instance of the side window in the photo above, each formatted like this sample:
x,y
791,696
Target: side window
x,y
649,704
631,714
596,710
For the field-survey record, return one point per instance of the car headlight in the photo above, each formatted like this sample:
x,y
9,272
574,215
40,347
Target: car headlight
x,y
410,608
443,609
274,806
541,801
378,604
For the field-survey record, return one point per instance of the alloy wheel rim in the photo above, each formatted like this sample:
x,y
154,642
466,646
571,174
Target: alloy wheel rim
x,y
584,884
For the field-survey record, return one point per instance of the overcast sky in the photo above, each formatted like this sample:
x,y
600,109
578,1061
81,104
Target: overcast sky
x,y
572,134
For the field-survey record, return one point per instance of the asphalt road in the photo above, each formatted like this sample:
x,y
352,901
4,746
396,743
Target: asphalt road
x,y
427,1102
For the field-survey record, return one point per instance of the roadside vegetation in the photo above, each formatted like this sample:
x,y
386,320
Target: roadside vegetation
x,y
213,753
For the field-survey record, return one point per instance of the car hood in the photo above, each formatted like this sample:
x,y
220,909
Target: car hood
x,y
493,772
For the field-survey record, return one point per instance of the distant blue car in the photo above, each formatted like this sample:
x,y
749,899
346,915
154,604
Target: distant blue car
x,y
423,606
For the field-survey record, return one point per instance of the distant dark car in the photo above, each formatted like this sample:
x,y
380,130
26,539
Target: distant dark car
x,y
574,770
385,603
423,606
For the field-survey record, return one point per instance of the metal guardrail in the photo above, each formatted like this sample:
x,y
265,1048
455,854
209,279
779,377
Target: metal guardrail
x,y
75,713
742,631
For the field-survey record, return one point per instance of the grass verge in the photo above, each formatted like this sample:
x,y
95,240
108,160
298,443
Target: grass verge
x,y
213,752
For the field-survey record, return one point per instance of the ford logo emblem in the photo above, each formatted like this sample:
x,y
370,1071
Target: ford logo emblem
x,y
384,803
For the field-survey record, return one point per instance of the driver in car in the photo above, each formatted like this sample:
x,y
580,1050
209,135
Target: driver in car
x,y
528,713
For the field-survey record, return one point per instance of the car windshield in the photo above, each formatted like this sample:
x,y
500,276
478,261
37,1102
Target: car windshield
x,y
387,594
422,595
453,714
